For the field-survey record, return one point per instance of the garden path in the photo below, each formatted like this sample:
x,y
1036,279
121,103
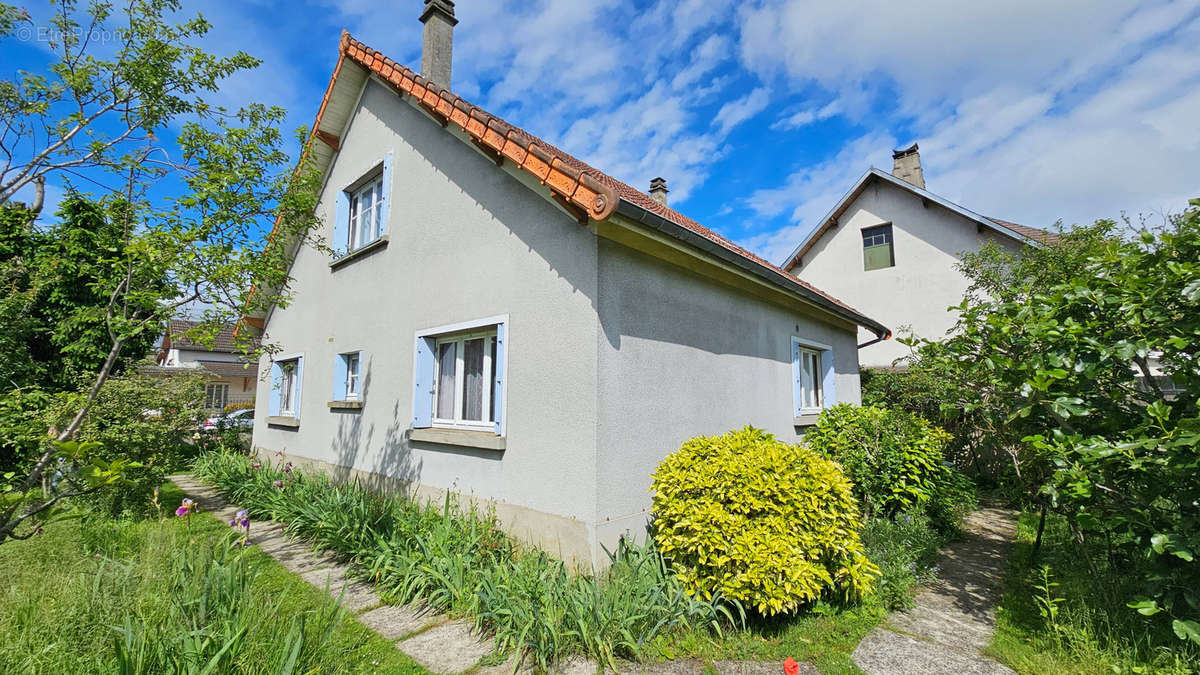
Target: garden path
x,y
954,617
437,642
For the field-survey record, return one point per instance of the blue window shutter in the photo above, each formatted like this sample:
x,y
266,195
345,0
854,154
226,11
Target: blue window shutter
x,y
339,377
299,381
828,380
423,390
387,193
797,393
276,389
341,224
498,366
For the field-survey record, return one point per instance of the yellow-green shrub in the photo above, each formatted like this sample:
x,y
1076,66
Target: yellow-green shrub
x,y
771,525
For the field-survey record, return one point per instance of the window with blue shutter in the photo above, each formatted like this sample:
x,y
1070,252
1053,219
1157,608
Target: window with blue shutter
x,y
347,376
460,376
362,210
814,386
273,405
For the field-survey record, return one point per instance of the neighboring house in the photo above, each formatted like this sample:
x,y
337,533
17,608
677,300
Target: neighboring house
x,y
890,248
231,378
505,322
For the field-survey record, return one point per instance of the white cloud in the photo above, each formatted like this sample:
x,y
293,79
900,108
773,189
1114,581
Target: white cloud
x,y
806,116
739,110
1028,111
810,192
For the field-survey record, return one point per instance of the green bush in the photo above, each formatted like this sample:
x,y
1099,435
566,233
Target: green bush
x,y
893,457
771,525
142,419
905,549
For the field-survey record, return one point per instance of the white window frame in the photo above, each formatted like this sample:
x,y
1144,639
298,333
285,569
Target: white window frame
x,y
371,185
460,339
462,331
287,386
353,379
817,352
208,396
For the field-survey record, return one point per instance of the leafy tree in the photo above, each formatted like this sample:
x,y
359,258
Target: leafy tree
x,y
1057,363
206,247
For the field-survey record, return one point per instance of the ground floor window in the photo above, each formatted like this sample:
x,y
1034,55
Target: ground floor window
x,y
459,379
465,383
813,377
216,396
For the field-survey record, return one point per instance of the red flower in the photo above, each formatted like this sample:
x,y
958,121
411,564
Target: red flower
x,y
790,667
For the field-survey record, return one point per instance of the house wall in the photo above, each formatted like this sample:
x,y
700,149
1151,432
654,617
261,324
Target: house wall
x,y
466,242
241,389
917,291
680,356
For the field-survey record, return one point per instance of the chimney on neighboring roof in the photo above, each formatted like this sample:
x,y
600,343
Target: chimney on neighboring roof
x,y
906,165
438,41
658,190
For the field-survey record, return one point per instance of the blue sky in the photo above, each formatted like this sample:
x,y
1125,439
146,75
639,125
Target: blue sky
x,y
762,114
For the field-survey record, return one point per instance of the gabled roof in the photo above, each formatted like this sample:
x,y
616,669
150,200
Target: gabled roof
x,y
583,190
1023,234
223,343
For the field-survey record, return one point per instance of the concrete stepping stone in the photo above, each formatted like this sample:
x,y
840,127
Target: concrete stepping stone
x,y
953,618
449,648
883,652
397,621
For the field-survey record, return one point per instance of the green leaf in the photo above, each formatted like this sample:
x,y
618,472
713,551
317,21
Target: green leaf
x,y
1187,630
1145,607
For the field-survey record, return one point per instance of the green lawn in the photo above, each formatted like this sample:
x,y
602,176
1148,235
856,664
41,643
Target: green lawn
x,y
69,596
1096,632
825,636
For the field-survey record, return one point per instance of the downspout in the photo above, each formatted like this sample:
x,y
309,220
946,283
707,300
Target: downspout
x,y
881,338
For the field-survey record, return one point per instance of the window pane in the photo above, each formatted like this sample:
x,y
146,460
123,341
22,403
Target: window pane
x,y
492,380
473,380
378,210
445,384
351,375
353,229
877,257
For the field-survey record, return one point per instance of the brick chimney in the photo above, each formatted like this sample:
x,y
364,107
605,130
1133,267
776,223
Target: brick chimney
x,y
906,165
658,190
438,41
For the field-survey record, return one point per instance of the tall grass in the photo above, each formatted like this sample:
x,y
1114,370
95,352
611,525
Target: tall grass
x,y
459,561
99,595
1066,612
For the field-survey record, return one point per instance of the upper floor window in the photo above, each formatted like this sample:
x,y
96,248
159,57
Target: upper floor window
x,y
366,213
361,210
877,247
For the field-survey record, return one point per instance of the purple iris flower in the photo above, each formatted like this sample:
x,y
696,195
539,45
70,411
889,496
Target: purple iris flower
x,y
287,468
278,484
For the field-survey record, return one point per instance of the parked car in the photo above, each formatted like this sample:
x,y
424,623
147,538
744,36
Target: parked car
x,y
238,419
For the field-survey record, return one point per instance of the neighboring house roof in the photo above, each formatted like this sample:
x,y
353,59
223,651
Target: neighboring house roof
x,y
175,339
1023,234
580,188
230,368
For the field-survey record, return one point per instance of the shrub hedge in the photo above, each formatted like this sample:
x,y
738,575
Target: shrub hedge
x,y
895,460
771,525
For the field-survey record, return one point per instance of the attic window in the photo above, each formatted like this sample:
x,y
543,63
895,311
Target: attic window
x,y
877,247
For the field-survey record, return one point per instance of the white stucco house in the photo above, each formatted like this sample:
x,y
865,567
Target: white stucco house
x,y
229,377
890,248
506,323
